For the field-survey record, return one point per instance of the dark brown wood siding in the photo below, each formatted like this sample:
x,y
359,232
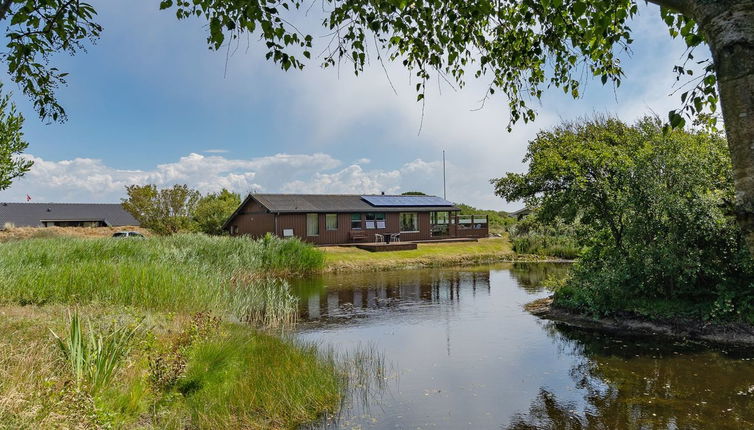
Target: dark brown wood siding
x,y
255,220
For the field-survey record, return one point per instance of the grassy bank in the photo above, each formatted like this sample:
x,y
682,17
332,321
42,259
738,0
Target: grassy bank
x,y
180,372
170,324
180,273
489,250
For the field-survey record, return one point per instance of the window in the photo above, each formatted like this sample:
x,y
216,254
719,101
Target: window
x,y
376,220
312,224
409,222
331,221
439,218
355,221
464,221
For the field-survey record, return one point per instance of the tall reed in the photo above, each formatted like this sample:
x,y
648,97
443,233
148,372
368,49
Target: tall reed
x,y
94,358
179,273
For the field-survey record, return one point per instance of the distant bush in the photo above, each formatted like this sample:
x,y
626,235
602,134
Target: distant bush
x,y
553,239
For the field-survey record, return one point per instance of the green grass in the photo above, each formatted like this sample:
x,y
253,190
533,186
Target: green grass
x,y
426,255
229,376
224,375
561,246
188,273
198,360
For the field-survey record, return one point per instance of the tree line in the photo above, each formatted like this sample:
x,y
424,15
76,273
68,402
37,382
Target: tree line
x,y
179,208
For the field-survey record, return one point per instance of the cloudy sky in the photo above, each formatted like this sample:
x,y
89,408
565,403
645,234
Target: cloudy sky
x,y
149,103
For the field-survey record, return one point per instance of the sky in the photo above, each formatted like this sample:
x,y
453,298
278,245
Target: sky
x,y
150,103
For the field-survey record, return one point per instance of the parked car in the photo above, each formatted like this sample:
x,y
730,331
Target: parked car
x,y
127,234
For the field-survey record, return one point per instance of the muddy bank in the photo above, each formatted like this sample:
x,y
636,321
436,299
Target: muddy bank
x,y
733,333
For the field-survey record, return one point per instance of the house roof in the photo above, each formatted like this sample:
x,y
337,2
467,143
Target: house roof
x,y
348,203
308,203
32,214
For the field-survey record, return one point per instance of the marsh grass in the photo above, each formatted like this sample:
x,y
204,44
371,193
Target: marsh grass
x,y
183,273
228,375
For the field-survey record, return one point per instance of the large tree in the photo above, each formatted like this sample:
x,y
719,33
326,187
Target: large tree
x,y
520,46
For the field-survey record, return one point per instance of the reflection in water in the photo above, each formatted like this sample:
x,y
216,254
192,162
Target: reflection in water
x,y
337,298
464,355
530,276
641,383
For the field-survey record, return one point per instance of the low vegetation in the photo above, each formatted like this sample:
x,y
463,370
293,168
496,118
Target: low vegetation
x,y
555,238
175,372
176,273
662,236
426,255
161,332
9,232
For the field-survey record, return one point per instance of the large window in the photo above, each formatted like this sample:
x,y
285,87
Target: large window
x,y
331,221
355,221
439,218
312,224
376,220
409,222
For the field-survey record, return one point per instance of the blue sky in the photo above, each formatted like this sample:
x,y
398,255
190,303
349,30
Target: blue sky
x,y
150,103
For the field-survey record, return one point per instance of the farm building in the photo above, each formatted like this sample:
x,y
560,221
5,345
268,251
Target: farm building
x,y
65,215
337,219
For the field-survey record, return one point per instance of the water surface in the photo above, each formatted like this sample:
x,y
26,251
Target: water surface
x,y
461,353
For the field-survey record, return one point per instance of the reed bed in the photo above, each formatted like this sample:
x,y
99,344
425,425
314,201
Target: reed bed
x,y
183,273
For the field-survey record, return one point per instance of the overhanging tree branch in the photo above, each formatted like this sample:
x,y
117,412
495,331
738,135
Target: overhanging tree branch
x,y
681,6
4,8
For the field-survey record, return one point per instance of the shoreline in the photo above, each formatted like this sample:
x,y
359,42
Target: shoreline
x,y
436,262
719,333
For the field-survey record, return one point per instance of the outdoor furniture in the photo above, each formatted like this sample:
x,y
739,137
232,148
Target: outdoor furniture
x,y
379,237
395,237
358,235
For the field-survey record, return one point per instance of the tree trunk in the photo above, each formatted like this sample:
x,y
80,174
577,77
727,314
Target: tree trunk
x,y
729,29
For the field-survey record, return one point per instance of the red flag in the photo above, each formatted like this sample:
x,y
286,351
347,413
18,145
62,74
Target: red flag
x,y
28,198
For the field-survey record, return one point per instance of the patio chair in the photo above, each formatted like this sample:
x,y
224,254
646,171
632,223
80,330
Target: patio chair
x,y
379,237
395,237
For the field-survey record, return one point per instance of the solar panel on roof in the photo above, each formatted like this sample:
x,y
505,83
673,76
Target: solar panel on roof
x,y
406,201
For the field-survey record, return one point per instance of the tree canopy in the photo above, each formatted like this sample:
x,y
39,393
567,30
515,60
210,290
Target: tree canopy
x,y
659,211
12,143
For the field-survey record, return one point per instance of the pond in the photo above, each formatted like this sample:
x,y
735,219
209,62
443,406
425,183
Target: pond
x,y
461,353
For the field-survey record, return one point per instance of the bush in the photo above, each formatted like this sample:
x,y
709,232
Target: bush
x,y
554,239
663,240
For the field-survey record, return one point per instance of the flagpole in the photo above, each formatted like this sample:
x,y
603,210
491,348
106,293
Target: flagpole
x,y
444,189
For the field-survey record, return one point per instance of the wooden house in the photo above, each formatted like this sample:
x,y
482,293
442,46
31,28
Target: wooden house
x,y
337,218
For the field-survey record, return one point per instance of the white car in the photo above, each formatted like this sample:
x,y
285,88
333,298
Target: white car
x,y
127,234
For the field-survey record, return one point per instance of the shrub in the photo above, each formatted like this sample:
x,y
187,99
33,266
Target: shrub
x,y
663,240
94,356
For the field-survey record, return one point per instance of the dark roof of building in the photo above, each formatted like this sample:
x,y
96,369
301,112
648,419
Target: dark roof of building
x,y
32,214
307,203
347,203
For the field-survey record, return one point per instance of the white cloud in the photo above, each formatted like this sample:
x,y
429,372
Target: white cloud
x,y
91,180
